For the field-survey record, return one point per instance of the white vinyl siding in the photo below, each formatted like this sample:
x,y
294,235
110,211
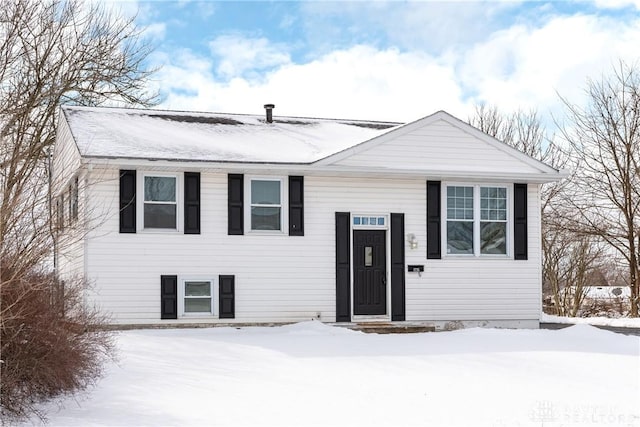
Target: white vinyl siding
x,y
437,147
279,278
66,169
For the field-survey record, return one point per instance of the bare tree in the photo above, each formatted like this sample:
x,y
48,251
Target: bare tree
x,y
51,52
605,138
569,262
568,257
54,52
521,130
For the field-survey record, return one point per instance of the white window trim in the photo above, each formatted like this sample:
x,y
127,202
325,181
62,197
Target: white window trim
x,y
214,296
284,205
476,220
140,203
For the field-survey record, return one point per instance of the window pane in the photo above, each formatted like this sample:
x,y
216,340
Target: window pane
x,y
159,216
460,202
368,256
459,237
197,289
265,218
493,203
265,192
493,238
197,305
159,189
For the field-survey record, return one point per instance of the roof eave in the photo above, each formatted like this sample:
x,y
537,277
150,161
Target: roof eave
x,y
317,169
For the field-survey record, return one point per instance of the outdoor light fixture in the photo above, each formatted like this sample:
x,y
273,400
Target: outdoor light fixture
x,y
413,242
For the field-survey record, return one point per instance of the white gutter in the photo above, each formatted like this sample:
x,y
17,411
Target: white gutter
x,y
320,170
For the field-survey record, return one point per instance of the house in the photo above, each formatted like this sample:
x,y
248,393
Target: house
x,y
180,217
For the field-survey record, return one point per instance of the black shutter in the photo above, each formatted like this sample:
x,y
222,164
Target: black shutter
x,y
127,201
520,250
434,232
343,267
296,206
397,267
235,199
191,203
169,297
227,297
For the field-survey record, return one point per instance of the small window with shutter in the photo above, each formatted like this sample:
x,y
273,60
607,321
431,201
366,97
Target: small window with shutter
x,y
160,202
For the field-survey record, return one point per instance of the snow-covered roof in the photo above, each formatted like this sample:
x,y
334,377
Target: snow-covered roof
x,y
189,136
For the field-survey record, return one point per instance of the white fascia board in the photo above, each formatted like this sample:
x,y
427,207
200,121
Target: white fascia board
x,y
539,178
319,170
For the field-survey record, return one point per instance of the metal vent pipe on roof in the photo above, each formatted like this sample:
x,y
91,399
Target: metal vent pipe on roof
x,y
269,109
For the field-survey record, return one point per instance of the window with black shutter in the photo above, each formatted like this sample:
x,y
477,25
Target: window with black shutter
x,y
520,247
191,203
296,206
227,289
127,201
168,297
434,233
235,204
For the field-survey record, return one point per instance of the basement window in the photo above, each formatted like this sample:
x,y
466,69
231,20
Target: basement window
x,y
197,297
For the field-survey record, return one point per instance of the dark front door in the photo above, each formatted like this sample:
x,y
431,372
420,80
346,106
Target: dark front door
x,y
369,272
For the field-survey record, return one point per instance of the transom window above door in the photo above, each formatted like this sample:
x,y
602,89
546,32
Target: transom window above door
x,y
368,221
160,202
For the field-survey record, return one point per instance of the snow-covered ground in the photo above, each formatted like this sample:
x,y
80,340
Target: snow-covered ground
x,y
314,374
624,322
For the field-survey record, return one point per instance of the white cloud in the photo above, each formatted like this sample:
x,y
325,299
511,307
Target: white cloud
x,y
522,66
433,26
155,31
528,67
360,82
617,4
237,54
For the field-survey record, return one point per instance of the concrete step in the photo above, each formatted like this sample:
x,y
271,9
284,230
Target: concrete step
x,y
391,328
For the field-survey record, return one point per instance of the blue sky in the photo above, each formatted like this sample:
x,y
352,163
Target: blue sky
x,y
383,60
